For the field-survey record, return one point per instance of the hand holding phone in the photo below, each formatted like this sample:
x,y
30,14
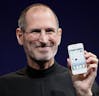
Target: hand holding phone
x,y
77,58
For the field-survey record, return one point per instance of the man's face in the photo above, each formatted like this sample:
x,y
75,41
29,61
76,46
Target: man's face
x,y
41,37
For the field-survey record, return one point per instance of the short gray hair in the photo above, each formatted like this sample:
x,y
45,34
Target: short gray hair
x,y
22,20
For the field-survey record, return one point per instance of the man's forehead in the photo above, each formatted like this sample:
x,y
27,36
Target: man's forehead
x,y
40,12
36,9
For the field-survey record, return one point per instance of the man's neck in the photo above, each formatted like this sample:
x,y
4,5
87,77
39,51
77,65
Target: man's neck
x,y
40,65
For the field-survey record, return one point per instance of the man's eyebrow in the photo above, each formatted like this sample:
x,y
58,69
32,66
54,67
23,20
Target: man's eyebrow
x,y
39,29
35,30
51,28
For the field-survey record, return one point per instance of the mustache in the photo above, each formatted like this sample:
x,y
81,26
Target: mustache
x,y
44,45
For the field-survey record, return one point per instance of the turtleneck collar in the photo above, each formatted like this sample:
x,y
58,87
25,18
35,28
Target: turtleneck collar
x,y
33,73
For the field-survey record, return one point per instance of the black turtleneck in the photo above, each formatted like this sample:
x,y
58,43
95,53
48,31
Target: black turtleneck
x,y
54,81
33,73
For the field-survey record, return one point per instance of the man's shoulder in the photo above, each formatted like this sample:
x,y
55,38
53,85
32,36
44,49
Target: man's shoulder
x,y
62,68
18,73
63,71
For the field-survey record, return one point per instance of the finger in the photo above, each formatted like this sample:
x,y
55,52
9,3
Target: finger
x,y
85,52
69,66
92,67
91,74
92,60
68,63
89,54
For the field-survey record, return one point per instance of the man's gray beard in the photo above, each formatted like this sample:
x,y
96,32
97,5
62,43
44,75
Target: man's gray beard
x,y
42,62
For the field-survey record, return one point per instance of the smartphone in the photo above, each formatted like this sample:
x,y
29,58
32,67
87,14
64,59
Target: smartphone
x,y
77,58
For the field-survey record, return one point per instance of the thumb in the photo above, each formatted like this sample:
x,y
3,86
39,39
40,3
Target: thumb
x,y
68,63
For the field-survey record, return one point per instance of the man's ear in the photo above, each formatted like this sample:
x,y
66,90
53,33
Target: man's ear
x,y
19,35
59,35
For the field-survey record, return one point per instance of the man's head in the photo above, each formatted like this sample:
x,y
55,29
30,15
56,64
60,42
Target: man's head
x,y
39,32
22,19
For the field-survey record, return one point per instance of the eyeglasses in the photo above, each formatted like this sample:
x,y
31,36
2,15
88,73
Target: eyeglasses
x,y
38,31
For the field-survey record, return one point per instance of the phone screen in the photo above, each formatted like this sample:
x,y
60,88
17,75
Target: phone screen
x,y
78,61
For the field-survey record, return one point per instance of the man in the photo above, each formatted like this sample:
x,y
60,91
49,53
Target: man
x,y
40,36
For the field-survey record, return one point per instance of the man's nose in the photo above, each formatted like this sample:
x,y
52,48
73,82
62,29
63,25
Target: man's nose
x,y
43,37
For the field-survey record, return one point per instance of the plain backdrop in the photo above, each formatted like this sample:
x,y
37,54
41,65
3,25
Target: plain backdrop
x,y
78,19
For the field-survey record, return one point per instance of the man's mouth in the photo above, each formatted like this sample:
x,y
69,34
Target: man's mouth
x,y
46,48
43,47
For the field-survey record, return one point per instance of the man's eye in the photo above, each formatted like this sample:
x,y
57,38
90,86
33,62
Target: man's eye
x,y
50,31
35,31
